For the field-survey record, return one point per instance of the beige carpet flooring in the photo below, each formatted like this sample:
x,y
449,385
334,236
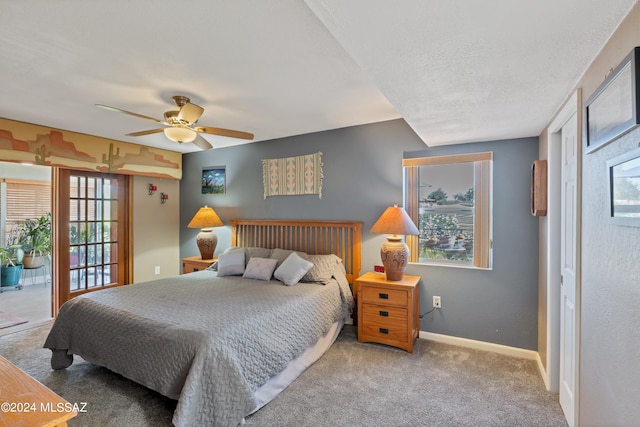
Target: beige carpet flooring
x,y
351,385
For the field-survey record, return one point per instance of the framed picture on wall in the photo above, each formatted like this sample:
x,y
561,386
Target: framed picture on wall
x,y
214,180
624,189
613,108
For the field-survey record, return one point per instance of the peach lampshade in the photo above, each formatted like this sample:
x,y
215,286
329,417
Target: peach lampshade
x,y
206,218
394,252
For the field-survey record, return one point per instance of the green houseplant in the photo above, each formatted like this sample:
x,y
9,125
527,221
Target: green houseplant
x,y
10,269
37,241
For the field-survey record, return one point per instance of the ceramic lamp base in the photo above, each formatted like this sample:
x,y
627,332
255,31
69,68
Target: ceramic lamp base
x,y
395,256
207,242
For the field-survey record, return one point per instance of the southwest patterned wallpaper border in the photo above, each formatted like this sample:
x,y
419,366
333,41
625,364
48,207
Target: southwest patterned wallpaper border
x,y
26,143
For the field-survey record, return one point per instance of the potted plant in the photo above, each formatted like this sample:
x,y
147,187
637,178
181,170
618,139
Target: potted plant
x,y
10,269
37,241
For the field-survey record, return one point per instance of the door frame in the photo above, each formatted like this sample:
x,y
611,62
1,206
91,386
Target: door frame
x,y
551,375
60,263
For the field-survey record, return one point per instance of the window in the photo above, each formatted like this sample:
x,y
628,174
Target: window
x,y
449,199
24,200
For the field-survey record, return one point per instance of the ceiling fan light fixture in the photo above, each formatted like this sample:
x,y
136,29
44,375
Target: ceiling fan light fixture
x,y
180,134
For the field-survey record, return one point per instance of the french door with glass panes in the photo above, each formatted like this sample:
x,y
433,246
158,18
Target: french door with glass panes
x,y
92,232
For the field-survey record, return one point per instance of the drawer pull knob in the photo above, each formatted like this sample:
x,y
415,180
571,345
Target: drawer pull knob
x,y
383,296
384,313
384,330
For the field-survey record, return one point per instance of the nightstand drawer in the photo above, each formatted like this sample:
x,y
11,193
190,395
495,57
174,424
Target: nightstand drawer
x,y
385,322
195,263
375,295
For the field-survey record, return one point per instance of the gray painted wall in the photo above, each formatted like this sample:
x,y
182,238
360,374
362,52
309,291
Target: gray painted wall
x,y
610,339
362,176
609,360
500,305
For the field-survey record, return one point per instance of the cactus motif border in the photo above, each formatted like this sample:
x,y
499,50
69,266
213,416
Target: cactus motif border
x,y
289,176
27,143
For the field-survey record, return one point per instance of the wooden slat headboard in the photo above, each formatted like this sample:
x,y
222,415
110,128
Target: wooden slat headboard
x,y
343,238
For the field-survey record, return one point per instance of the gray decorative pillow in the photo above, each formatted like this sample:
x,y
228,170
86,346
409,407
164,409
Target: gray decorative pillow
x,y
260,268
250,252
257,253
292,269
231,263
323,268
282,254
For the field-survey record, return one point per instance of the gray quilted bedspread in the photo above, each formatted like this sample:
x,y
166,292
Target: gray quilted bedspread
x,y
207,341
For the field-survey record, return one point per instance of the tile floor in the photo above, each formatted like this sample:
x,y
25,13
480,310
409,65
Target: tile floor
x,y
32,302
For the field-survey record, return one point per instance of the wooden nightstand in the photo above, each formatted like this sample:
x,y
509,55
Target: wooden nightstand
x,y
388,310
195,263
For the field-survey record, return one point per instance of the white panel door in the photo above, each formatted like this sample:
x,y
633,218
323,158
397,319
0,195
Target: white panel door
x,y
569,259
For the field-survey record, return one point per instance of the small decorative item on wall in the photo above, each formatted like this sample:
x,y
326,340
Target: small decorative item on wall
x,y
624,189
293,175
214,180
539,188
614,107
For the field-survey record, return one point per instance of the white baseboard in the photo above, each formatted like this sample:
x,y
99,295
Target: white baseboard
x,y
543,372
482,345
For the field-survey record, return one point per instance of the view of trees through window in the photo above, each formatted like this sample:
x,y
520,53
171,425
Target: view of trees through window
x,y
446,213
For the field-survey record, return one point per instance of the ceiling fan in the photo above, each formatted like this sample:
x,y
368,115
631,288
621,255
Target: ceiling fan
x,y
180,124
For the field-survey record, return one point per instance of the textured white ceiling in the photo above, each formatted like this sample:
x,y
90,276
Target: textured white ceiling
x,y
468,70
456,71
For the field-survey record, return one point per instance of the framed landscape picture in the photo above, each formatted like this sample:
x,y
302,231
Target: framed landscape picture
x,y
214,180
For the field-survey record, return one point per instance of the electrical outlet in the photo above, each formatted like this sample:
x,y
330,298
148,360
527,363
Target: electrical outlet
x,y
157,269
437,302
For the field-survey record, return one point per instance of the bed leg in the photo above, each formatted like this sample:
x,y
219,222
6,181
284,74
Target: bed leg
x,y
60,359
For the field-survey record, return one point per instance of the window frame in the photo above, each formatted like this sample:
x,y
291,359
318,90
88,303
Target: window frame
x,y
483,206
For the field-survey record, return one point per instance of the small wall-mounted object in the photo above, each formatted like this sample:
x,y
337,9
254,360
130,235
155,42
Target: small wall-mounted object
x,y
163,197
152,189
614,108
539,188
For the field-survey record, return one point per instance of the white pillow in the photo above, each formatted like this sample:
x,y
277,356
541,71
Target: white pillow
x,y
231,263
292,269
260,268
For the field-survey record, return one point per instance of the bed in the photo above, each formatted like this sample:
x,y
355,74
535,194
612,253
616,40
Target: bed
x,y
221,345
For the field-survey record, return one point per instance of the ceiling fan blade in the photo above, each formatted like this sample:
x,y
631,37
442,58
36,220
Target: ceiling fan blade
x,y
118,110
190,113
224,132
202,143
145,132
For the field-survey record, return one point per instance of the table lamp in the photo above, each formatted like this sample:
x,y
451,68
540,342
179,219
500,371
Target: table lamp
x,y
205,219
394,252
